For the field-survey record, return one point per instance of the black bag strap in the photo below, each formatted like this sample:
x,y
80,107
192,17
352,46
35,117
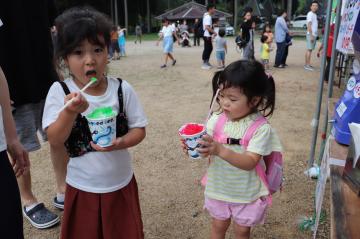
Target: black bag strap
x,y
65,88
121,98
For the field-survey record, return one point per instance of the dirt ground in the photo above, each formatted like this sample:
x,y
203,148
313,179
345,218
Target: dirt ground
x,y
171,200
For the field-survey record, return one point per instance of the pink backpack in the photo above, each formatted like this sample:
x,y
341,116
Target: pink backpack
x,y
270,169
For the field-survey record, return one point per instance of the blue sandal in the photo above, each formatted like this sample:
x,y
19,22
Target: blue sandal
x,y
40,217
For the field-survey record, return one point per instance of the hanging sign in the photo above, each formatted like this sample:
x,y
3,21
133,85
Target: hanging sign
x,y
347,26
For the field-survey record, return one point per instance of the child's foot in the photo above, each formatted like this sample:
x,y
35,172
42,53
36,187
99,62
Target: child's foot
x,y
163,66
174,62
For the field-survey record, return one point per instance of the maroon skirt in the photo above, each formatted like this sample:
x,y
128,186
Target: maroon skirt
x,y
102,215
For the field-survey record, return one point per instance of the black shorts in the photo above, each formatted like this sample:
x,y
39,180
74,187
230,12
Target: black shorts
x,y
115,46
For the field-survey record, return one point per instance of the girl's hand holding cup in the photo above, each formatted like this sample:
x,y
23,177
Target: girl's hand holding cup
x,y
78,105
208,146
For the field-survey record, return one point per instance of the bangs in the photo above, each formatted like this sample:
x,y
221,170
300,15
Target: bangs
x,y
80,30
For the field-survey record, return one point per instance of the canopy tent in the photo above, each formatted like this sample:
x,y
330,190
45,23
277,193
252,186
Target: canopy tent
x,y
190,10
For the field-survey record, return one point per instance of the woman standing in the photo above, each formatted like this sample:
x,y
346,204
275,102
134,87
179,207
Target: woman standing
x,y
167,33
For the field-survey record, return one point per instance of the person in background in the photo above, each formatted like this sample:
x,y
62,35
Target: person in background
x,y
328,51
220,49
138,33
281,29
311,34
196,31
208,33
247,33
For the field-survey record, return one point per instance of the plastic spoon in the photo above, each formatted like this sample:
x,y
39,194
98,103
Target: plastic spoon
x,y
92,81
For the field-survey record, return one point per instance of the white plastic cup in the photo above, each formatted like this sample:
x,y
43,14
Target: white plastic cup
x,y
191,141
103,130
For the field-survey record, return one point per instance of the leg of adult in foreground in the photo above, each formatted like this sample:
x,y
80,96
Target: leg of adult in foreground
x,y
219,228
12,221
28,121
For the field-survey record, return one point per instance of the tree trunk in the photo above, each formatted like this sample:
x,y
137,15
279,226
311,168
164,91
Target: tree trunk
x,y
289,9
235,14
126,15
148,15
206,2
116,13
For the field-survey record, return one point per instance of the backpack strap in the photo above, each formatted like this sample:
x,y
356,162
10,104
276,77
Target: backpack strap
x,y
65,88
121,98
219,135
260,121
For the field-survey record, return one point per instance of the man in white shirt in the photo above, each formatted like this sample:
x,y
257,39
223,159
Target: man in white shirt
x,y
312,33
208,31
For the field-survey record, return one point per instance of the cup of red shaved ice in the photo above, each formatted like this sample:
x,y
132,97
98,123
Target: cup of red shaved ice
x,y
191,133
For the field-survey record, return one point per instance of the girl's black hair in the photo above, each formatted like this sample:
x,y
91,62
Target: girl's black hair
x,y
77,24
266,25
251,79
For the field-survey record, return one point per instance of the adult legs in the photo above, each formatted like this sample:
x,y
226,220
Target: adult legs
x,y
279,53
219,228
286,52
12,221
327,69
207,49
308,57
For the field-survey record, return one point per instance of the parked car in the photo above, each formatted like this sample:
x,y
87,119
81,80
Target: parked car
x,y
299,22
229,30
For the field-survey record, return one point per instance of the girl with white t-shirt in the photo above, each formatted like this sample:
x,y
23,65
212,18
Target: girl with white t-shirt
x,y
101,196
167,33
12,225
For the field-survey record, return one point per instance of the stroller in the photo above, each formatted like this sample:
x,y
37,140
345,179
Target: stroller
x,y
185,39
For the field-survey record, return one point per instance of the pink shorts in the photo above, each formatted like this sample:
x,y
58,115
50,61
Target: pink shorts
x,y
244,214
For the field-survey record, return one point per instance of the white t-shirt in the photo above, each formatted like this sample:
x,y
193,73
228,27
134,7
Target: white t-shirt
x,y
2,134
167,31
98,172
312,17
207,21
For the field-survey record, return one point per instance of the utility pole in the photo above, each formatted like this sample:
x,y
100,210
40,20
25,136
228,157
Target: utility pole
x,y
148,15
126,15
289,9
235,13
116,13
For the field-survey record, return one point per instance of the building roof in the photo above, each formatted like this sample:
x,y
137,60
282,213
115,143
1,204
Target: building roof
x,y
190,10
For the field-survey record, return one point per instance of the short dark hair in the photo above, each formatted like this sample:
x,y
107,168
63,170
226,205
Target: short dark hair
x,y
247,9
221,32
77,24
263,38
164,20
209,6
282,11
314,2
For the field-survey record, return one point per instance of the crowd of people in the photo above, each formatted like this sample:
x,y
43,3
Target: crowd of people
x,y
32,97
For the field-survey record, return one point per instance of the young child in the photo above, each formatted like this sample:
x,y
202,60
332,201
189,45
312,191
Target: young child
x,y
12,224
267,32
220,48
265,51
234,190
101,196
121,40
168,34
